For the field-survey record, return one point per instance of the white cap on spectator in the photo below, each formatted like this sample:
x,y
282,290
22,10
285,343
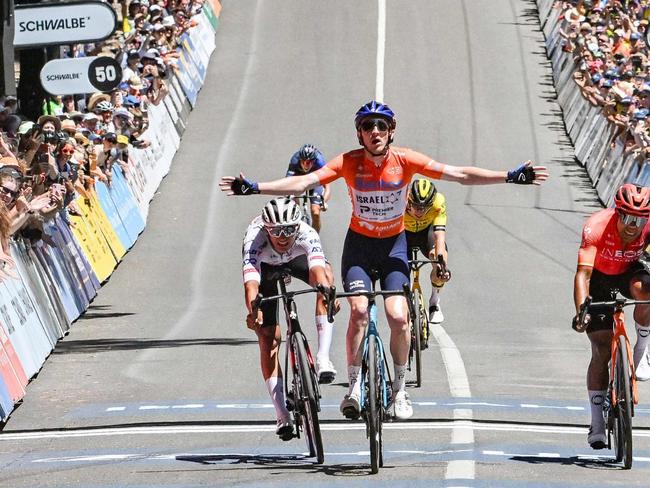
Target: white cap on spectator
x,y
169,21
122,112
158,27
155,7
90,116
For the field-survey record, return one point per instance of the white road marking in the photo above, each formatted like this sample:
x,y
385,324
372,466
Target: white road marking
x,y
257,406
462,432
381,49
325,425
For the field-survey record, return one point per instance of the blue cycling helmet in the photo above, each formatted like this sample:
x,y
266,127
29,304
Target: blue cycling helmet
x,y
308,152
374,108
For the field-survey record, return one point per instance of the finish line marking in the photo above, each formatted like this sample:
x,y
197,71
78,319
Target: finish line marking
x,y
458,425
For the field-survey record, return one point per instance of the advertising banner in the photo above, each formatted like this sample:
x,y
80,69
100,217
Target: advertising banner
x,y
12,371
112,214
126,205
63,23
94,246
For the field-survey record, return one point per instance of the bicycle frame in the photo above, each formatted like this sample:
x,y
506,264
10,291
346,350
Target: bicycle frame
x,y
619,330
371,330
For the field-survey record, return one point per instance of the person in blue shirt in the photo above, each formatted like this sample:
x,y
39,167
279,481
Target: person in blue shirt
x,y
305,160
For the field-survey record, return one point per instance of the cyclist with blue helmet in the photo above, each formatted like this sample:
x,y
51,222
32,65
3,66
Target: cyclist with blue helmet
x,y
306,160
378,177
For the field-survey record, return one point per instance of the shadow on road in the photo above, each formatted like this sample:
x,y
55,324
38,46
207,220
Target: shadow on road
x,y
103,345
273,461
580,461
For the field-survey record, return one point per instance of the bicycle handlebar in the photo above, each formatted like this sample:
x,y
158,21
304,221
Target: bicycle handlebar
x,y
619,302
259,299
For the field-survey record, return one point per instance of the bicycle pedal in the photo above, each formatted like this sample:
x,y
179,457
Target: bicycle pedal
x,y
326,378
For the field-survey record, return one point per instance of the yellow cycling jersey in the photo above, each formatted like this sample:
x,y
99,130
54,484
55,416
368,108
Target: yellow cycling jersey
x,y
436,215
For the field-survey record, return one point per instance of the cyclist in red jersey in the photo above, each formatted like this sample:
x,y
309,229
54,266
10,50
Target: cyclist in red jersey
x,y
378,176
613,240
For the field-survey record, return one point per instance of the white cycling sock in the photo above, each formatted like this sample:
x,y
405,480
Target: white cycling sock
x,y
399,382
353,379
642,338
596,399
325,330
434,299
275,386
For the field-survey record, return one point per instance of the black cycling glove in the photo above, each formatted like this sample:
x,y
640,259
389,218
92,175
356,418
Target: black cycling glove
x,y
522,175
241,186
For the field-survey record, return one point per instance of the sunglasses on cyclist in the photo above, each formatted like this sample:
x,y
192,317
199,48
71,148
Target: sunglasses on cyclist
x,y
635,220
419,208
7,191
368,124
283,230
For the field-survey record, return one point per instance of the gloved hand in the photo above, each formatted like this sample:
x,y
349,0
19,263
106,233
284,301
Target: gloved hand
x,y
242,186
524,174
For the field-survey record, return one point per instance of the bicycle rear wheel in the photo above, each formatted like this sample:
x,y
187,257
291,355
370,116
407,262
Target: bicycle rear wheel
x,y
623,415
308,403
375,408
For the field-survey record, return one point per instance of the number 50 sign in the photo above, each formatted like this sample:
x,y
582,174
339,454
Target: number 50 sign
x,y
81,75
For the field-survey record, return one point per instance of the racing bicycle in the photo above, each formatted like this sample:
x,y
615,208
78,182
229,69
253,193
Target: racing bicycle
x,y
418,311
306,200
621,396
376,382
303,397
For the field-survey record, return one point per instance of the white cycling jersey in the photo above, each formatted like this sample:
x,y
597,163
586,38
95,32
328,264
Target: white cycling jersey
x,y
257,249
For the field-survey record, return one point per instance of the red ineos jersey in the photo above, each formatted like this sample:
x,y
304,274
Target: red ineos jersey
x,y
257,249
601,246
379,193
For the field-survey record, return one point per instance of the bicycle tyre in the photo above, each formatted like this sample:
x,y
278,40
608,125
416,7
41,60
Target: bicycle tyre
x,y
308,403
623,419
373,415
422,322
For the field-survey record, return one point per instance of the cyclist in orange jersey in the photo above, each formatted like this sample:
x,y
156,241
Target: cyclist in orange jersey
x,y
377,176
613,240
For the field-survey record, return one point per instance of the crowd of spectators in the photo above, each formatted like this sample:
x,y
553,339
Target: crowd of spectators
x,y
46,163
607,39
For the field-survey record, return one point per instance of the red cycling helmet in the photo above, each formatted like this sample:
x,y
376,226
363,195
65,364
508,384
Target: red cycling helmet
x,y
633,200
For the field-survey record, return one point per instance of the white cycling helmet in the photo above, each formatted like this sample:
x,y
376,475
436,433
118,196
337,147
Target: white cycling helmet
x,y
281,211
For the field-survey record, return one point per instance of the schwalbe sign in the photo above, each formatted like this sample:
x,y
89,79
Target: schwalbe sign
x,y
62,23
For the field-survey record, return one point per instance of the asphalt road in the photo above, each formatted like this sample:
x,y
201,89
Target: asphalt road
x,y
158,384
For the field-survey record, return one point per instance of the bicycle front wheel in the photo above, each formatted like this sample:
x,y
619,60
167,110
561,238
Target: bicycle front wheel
x,y
623,413
308,402
374,408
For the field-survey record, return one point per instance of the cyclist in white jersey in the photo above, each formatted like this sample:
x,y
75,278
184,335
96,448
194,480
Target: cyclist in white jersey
x,y
279,239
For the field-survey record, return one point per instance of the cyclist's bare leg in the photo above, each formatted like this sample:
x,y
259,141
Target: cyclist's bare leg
x,y
315,217
269,343
356,329
640,290
597,373
597,379
400,335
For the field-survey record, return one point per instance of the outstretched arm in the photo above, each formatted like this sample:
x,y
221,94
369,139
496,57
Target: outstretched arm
x,y
526,173
293,185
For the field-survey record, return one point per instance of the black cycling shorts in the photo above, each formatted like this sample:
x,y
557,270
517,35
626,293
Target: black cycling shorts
x,y
387,256
298,268
600,289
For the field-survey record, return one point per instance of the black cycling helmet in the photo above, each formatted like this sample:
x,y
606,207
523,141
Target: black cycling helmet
x,y
308,152
422,192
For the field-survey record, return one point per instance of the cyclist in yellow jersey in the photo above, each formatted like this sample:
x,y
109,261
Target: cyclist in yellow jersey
x,y
425,222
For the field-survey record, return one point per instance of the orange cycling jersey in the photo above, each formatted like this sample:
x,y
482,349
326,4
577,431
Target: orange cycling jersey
x,y
602,248
379,193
